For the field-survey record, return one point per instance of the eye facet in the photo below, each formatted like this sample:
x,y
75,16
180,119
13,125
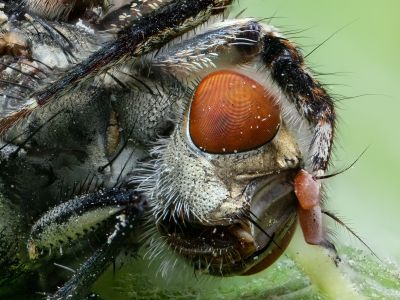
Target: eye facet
x,y
231,113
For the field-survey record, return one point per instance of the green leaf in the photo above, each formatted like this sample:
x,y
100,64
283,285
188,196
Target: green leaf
x,y
304,272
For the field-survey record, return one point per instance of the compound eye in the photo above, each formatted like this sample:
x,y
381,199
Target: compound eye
x,y
231,113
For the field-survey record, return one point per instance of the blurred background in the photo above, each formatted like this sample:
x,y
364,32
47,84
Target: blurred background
x,y
364,59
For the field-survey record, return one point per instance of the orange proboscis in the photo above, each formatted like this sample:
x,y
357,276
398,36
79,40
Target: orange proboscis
x,y
307,191
311,225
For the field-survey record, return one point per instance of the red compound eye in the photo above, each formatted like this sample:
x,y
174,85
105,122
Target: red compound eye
x,y
231,113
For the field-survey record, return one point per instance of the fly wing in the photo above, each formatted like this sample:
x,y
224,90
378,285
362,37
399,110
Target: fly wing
x,y
17,80
153,25
33,53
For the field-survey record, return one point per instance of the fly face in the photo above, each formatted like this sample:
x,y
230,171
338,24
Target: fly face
x,y
217,137
226,187
222,189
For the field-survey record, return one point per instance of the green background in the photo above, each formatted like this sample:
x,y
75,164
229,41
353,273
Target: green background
x,y
365,55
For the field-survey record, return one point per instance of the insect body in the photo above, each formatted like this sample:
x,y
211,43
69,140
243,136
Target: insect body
x,y
208,142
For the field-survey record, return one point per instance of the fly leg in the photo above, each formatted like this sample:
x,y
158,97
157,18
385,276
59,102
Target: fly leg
x,y
79,284
74,221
